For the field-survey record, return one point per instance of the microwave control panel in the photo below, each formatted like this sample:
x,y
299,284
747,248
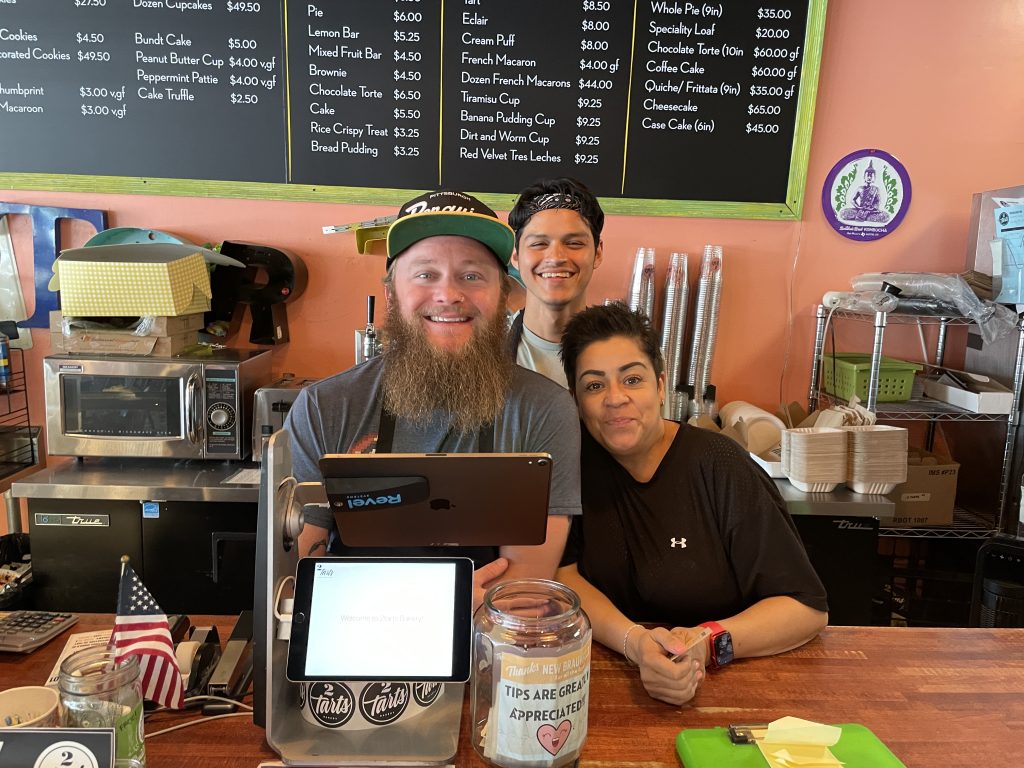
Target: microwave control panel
x,y
222,412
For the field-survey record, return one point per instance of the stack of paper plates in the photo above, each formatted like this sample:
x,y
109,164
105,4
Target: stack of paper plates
x,y
877,458
814,459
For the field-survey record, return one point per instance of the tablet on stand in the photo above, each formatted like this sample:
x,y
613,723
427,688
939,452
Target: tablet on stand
x,y
442,500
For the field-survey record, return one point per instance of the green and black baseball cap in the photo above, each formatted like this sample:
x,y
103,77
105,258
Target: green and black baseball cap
x,y
450,213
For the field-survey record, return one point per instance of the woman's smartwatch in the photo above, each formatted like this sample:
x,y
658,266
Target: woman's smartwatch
x,y
721,645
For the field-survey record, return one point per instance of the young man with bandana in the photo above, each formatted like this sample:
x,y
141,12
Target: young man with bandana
x,y
558,226
445,382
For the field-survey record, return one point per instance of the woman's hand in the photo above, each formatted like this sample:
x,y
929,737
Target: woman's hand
x,y
675,682
485,577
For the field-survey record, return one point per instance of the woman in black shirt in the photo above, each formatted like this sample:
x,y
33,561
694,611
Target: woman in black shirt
x,y
679,526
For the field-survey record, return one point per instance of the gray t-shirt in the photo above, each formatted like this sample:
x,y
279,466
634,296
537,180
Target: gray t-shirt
x,y
542,356
341,414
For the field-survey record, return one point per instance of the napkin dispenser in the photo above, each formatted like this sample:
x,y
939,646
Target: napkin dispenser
x,y
271,278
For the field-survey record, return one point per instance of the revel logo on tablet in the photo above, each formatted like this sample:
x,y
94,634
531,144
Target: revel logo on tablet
x,y
375,492
355,502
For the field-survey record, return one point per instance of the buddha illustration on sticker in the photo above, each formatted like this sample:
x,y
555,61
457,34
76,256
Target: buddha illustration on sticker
x,y
866,195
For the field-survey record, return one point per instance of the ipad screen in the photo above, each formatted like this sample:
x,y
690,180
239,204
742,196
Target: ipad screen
x,y
381,619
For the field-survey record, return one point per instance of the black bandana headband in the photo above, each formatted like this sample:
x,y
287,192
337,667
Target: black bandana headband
x,y
552,200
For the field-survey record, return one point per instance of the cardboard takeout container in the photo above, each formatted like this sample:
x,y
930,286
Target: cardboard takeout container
x,y
132,280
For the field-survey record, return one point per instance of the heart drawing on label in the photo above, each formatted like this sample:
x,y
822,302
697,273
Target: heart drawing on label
x,y
553,739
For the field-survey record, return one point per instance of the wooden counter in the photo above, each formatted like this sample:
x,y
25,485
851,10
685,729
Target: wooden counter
x,y
936,697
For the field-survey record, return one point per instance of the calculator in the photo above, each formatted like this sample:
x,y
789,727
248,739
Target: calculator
x,y
24,631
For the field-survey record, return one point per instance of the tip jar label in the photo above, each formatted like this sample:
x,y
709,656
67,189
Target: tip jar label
x,y
540,707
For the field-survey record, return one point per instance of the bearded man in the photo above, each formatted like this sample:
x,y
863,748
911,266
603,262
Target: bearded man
x,y
445,382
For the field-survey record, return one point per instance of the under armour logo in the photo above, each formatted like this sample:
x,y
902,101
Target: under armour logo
x,y
681,543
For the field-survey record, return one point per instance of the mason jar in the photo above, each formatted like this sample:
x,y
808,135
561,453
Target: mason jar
x,y
531,675
98,692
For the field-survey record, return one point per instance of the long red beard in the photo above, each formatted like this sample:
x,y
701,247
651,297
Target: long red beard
x,y
470,384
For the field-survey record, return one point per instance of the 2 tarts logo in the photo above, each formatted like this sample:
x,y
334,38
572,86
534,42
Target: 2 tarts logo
x,y
331,704
66,753
383,703
426,694
866,195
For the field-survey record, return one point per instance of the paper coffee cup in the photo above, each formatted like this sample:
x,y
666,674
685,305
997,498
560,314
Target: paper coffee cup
x,y
31,706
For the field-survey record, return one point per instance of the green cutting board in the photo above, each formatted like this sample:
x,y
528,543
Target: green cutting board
x,y
710,748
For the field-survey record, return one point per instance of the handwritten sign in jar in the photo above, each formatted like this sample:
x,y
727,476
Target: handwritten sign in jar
x,y
531,675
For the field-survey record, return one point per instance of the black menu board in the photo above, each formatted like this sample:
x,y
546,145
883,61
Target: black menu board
x,y
660,106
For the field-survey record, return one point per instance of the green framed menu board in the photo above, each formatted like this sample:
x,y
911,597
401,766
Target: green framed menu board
x,y
662,107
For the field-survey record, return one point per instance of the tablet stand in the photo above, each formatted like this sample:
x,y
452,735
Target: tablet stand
x,y
430,738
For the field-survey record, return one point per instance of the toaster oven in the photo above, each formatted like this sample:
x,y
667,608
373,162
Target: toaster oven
x,y
270,408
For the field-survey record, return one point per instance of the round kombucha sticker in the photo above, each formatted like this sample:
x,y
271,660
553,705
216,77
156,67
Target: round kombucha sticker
x,y
866,195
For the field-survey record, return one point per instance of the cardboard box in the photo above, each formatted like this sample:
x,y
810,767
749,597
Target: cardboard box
x,y
770,461
928,496
132,280
154,326
984,395
118,344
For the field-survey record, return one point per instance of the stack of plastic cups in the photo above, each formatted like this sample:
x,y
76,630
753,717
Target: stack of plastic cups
x,y
673,335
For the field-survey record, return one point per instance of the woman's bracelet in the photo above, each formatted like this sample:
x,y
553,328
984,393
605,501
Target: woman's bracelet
x,y
625,639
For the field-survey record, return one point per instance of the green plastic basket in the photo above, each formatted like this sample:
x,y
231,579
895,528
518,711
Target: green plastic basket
x,y
848,373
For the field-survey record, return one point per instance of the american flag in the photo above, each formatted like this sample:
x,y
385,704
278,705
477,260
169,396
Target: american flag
x,y
141,630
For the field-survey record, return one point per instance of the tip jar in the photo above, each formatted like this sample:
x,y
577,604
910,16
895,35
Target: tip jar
x,y
98,692
531,675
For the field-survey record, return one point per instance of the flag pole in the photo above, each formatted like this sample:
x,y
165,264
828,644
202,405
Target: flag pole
x,y
110,642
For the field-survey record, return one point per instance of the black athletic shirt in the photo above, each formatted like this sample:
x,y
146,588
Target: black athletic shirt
x,y
705,538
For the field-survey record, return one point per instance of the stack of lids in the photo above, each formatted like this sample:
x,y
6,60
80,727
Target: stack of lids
x,y
814,459
877,459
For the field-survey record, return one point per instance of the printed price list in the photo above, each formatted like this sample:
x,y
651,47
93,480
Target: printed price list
x,y
169,78
526,100
664,99
603,69
364,93
715,87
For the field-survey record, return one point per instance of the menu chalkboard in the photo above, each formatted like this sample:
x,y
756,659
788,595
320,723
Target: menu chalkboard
x,y
660,106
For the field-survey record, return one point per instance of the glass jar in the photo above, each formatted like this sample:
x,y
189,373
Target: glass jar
x,y
97,692
531,675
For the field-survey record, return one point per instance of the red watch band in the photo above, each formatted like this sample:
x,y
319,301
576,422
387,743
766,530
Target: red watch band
x,y
714,626
716,630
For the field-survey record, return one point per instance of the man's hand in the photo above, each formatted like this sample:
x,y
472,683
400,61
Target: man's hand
x,y
485,577
673,681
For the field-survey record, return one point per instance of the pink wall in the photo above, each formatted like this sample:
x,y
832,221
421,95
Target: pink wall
x,y
936,84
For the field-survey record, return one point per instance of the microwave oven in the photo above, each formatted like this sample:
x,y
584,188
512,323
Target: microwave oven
x,y
190,406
